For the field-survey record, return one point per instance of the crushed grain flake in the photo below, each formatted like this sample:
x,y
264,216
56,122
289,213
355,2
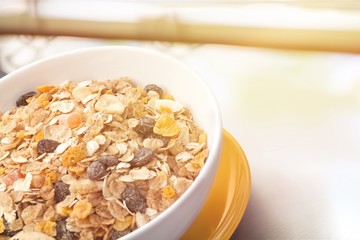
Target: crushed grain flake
x,y
94,159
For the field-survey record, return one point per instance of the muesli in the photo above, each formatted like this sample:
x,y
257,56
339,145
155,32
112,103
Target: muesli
x,y
94,159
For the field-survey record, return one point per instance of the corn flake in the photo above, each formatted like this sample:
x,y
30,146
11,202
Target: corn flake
x,y
166,126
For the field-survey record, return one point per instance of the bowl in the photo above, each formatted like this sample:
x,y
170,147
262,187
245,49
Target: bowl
x,y
143,67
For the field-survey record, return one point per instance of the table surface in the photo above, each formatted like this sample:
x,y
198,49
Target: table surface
x,y
296,115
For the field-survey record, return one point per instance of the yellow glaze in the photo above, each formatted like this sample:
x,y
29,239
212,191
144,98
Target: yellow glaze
x,y
228,197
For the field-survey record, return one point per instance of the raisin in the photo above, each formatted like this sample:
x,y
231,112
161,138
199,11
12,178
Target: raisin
x,y
22,99
96,170
108,160
114,235
153,87
61,191
142,157
62,233
145,126
135,202
47,146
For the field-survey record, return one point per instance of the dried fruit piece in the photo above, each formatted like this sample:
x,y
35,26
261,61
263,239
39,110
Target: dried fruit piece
x,y
81,210
135,202
45,88
62,233
61,191
108,160
73,155
166,126
153,87
96,170
22,100
142,157
10,178
47,146
71,120
145,126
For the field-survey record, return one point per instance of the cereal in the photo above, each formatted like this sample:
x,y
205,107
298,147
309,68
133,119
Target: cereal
x,y
81,210
114,235
166,126
62,233
145,126
168,192
94,159
47,146
71,120
45,88
153,87
108,160
110,104
135,202
142,157
123,225
22,100
96,170
73,155
61,191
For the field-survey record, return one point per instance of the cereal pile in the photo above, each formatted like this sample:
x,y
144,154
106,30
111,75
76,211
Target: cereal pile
x,y
94,159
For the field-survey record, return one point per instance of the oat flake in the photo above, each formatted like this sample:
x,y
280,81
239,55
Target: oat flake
x,y
111,112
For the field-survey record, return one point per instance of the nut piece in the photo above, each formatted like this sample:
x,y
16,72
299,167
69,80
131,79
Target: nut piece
x,y
142,157
47,146
145,126
61,191
96,170
135,202
22,99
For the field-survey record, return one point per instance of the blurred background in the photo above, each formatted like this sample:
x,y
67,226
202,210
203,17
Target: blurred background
x,y
286,74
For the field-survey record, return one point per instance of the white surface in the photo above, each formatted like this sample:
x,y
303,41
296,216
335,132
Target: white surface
x,y
297,117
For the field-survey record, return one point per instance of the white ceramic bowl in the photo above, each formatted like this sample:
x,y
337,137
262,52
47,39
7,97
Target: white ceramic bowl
x,y
144,67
